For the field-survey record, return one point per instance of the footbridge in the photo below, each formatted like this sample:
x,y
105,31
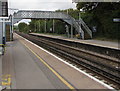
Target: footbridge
x,y
79,25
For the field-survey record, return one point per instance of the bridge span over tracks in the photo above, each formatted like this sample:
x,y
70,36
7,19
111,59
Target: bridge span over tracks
x,y
26,14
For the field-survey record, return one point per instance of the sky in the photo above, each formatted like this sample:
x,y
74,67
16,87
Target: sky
x,y
49,5
44,5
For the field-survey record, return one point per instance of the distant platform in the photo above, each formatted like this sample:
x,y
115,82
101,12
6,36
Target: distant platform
x,y
108,44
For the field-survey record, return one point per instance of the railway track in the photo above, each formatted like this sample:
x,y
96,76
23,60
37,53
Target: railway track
x,y
106,51
97,64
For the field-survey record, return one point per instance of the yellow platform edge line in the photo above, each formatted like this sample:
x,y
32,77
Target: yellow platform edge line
x,y
61,78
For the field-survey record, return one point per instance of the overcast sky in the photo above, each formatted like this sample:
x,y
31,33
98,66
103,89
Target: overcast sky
x,y
44,5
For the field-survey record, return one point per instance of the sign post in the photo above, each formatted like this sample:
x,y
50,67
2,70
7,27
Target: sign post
x,y
3,8
117,20
3,17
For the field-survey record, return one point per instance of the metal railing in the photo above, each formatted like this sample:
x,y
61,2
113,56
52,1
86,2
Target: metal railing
x,y
85,27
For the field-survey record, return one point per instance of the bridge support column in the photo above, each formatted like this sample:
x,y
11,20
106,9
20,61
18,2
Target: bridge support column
x,y
71,31
82,34
45,26
53,26
67,30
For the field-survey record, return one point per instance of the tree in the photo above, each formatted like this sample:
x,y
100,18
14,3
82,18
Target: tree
x,y
32,25
23,27
87,6
101,14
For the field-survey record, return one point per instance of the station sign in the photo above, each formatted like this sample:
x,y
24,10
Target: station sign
x,y
3,8
116,19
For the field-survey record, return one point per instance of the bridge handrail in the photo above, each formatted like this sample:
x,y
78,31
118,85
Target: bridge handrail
x,y
86,27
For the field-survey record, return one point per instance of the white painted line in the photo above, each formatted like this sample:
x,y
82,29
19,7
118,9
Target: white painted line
x,y
95,79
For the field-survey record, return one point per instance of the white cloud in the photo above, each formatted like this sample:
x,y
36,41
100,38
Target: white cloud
x,y
47,5
24,20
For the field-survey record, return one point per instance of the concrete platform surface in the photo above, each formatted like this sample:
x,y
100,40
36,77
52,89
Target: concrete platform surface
x,y
26,71
31,67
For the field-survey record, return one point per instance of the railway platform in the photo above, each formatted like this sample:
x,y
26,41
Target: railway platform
x,y
28,66
108,44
